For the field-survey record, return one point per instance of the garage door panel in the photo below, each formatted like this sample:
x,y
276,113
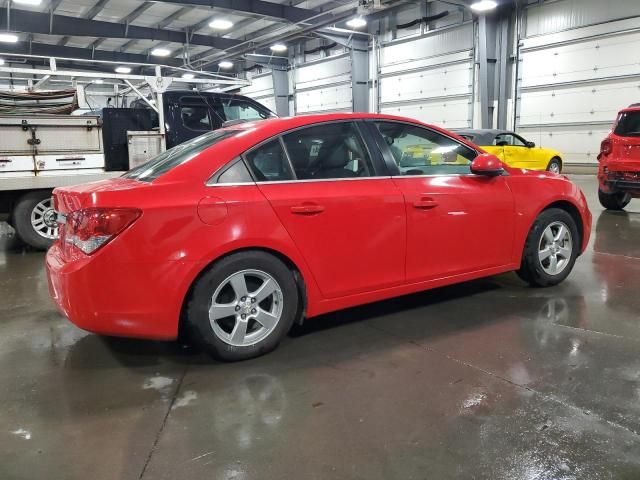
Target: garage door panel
x,y
436,82
587,60
577,144
453,113
582,103
331,98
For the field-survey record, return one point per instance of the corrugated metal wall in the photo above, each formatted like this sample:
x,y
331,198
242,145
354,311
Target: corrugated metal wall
x,y
577,68
430,77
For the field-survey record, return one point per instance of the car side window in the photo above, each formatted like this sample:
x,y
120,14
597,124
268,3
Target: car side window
x,y
420,151
196,118
508,139
333,150
236,109
269,162
236,173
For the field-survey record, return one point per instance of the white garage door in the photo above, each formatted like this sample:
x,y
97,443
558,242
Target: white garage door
x,y
324,86
430,77
261,90
572,83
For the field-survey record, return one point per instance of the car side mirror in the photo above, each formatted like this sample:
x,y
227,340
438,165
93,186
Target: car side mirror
x,y
531,144
487,165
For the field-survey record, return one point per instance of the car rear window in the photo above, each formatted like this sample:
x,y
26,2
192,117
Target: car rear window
x,y
151,170
628,124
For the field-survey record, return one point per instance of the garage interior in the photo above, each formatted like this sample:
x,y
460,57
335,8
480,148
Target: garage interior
x,y
486,379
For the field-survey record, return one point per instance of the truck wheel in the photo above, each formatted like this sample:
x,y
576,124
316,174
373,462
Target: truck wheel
x,y
34,219
614,201
555,165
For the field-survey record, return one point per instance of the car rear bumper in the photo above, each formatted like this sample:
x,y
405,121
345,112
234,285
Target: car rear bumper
x,y
103,296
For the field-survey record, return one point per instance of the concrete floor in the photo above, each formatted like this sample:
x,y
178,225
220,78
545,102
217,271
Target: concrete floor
x,y
489,379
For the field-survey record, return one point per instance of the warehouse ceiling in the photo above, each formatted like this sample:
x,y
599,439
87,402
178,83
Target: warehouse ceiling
x,y
133,30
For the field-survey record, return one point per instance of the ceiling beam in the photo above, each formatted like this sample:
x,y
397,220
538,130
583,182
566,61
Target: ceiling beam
x,y
91,14
36,22
48,50
255,7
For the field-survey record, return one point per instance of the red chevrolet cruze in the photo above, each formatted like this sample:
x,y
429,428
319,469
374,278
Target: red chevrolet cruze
x,y
241,232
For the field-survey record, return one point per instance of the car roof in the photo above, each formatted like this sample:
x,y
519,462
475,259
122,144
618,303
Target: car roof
x,y
273,126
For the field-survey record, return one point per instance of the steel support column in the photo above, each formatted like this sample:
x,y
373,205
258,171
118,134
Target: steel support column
x,y
486,68
281,91
360,75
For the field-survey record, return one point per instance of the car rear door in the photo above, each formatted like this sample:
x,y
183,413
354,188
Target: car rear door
x,y
328,190
457,222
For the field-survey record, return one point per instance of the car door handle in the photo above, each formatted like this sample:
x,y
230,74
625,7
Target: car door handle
x,y
425,204
307,209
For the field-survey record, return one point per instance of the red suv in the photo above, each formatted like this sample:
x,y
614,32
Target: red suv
x,y
619,171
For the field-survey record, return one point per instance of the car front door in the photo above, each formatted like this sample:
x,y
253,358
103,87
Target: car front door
x,y
457,222
516,151
348,222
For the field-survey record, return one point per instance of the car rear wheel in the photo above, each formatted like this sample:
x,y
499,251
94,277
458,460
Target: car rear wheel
x,y
35,219
551,249
242,306
555,165
614,201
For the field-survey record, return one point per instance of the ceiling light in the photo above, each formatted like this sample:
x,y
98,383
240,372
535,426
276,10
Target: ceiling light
x,y
123,70
8,38
278,47
160,52
28,2
483,5
99,81
357,22
188,76
225,64
1,61
220,24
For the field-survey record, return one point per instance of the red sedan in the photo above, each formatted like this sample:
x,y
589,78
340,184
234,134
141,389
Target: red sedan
x,y
243,231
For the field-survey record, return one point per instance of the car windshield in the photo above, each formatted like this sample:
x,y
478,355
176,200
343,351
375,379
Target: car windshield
x,y
151,170
628,124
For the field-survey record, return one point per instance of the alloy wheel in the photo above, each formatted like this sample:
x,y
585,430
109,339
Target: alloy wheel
x,y
555,248
246,307
44,219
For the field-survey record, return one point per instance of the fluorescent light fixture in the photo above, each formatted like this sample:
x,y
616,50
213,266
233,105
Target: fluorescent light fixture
x,y
225,64
357,22
483,5
8,38
220,24
160,52
124,70
188,76
28,2
278,47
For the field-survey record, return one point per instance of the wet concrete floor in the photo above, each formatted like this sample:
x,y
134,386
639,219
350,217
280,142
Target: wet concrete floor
x,y
489,379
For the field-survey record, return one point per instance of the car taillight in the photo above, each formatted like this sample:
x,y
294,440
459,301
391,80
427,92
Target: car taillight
x,y
606,147
92,228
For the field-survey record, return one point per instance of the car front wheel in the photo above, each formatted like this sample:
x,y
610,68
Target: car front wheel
x,y
242,306
551,249
614,201
555,165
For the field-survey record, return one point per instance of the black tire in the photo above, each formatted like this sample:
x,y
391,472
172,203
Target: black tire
x,y
21,219
531,268
197,309
553,164
614,201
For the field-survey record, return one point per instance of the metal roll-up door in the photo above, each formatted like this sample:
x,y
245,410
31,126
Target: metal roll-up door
x,y
324,86
430,77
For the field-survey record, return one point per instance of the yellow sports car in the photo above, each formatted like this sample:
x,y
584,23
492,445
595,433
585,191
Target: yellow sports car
x,y
514,150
